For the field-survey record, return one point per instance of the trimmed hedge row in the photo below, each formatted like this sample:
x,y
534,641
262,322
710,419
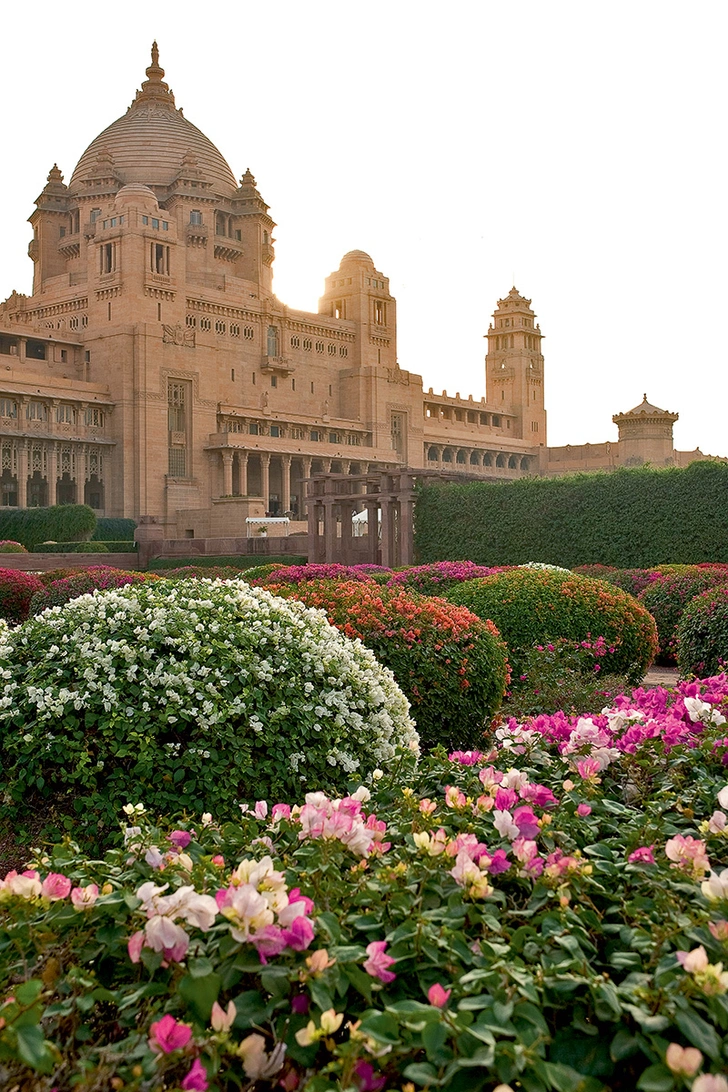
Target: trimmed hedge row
x,y
30,526
94,546
238,561
667,598
109,529
537,606
630,518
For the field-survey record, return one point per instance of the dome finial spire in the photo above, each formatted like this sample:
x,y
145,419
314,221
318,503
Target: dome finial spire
x,y
154,89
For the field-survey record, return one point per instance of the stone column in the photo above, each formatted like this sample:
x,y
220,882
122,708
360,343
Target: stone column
x,y
345,466
227,473
326,465
387,558
265,478
330,537
406,528
52,473
286,481
22,474
305,506
243,471
373,531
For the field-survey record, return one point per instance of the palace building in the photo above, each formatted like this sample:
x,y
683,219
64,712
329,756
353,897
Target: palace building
x,y
153,372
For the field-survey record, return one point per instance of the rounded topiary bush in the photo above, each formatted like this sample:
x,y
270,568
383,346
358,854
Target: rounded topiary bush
x,y
16,593
186,694
7,546
437,577
97,577
451,665
701,640
667,598
536,606
633,581
297,574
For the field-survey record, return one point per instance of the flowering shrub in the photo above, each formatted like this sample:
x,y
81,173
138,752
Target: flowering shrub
x,y
208,572
702,633
562,675
536,607
452,666
7,546
541,915
16,592
633,581
66,588
436,578
191,689
296,574
667,598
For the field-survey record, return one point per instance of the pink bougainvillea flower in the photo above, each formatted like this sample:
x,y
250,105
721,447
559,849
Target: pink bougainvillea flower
x,y
56,886
134,946
438,996
180,838
167,1035
455,797
281,811
219,860
196,1080
710,1082
583,810
588,768
719,929
693,961
643,855
83,897
220,1019
366,1080
261,809
688,854
378,961
526,821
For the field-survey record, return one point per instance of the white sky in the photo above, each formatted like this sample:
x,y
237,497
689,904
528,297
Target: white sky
x,y
576,145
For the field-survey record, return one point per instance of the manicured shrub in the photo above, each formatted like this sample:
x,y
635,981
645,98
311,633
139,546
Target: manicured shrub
x,y
546,917
701,639
207,572
58,592
296,574
537,606
451,665
66,522
667,598
633,581
187,693
238,561
562,675
9,547
16,593
109,528
436,578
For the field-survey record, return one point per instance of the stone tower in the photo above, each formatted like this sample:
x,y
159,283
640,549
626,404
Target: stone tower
x,y
514,366
645,435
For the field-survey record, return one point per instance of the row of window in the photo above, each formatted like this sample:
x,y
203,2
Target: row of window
x,y
65,414
507,341
473,417
75,321
307,344
293,432
273,344
480,458
512,322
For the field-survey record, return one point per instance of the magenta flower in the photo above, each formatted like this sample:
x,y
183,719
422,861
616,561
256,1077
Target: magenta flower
x,y
56,886
180,838
438,996
526,821
166,1035
378,962
643,855
583,810
365,1078
196,1079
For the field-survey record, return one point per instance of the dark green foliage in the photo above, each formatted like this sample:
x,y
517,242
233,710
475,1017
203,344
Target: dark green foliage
x,y
114,530
238,561
9,547
204,572
30,526
667,598
452,667
702,634
628,519
563,675
538,606
17,589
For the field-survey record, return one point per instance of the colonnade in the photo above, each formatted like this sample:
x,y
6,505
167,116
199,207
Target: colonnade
x,y
450,456
277,477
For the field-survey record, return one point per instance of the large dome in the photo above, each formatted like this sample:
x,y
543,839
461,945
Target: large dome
x,y
147,145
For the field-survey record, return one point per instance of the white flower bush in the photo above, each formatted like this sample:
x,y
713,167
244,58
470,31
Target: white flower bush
x,y
198,690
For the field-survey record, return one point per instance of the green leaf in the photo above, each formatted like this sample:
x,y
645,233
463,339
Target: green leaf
x,y
381,1026
330,922
699,1033
657,1078
33,1049
320,995
624,1044
434,1037
422,1073
200,993
200,968
28,992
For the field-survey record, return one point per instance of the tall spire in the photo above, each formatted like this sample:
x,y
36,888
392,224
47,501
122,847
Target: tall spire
x,y
154,89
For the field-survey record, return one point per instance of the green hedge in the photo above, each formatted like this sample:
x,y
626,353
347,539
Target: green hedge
x,y
629,518
30,526
109,529
238,561
702,633
71,548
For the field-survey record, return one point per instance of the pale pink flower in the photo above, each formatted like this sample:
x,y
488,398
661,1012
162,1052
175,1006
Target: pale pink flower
x,y
378,961
163,935
716,886
483,804
490,778
220,1019
261,809
427,806
710,1082
455,797
693,961
688,854
588,768
25,884
723,797
719,930
717,822
524,849
438,996
218,860
686,1061
503,823
166,1035
256,1063
84,897
134,946
56,886
281,811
